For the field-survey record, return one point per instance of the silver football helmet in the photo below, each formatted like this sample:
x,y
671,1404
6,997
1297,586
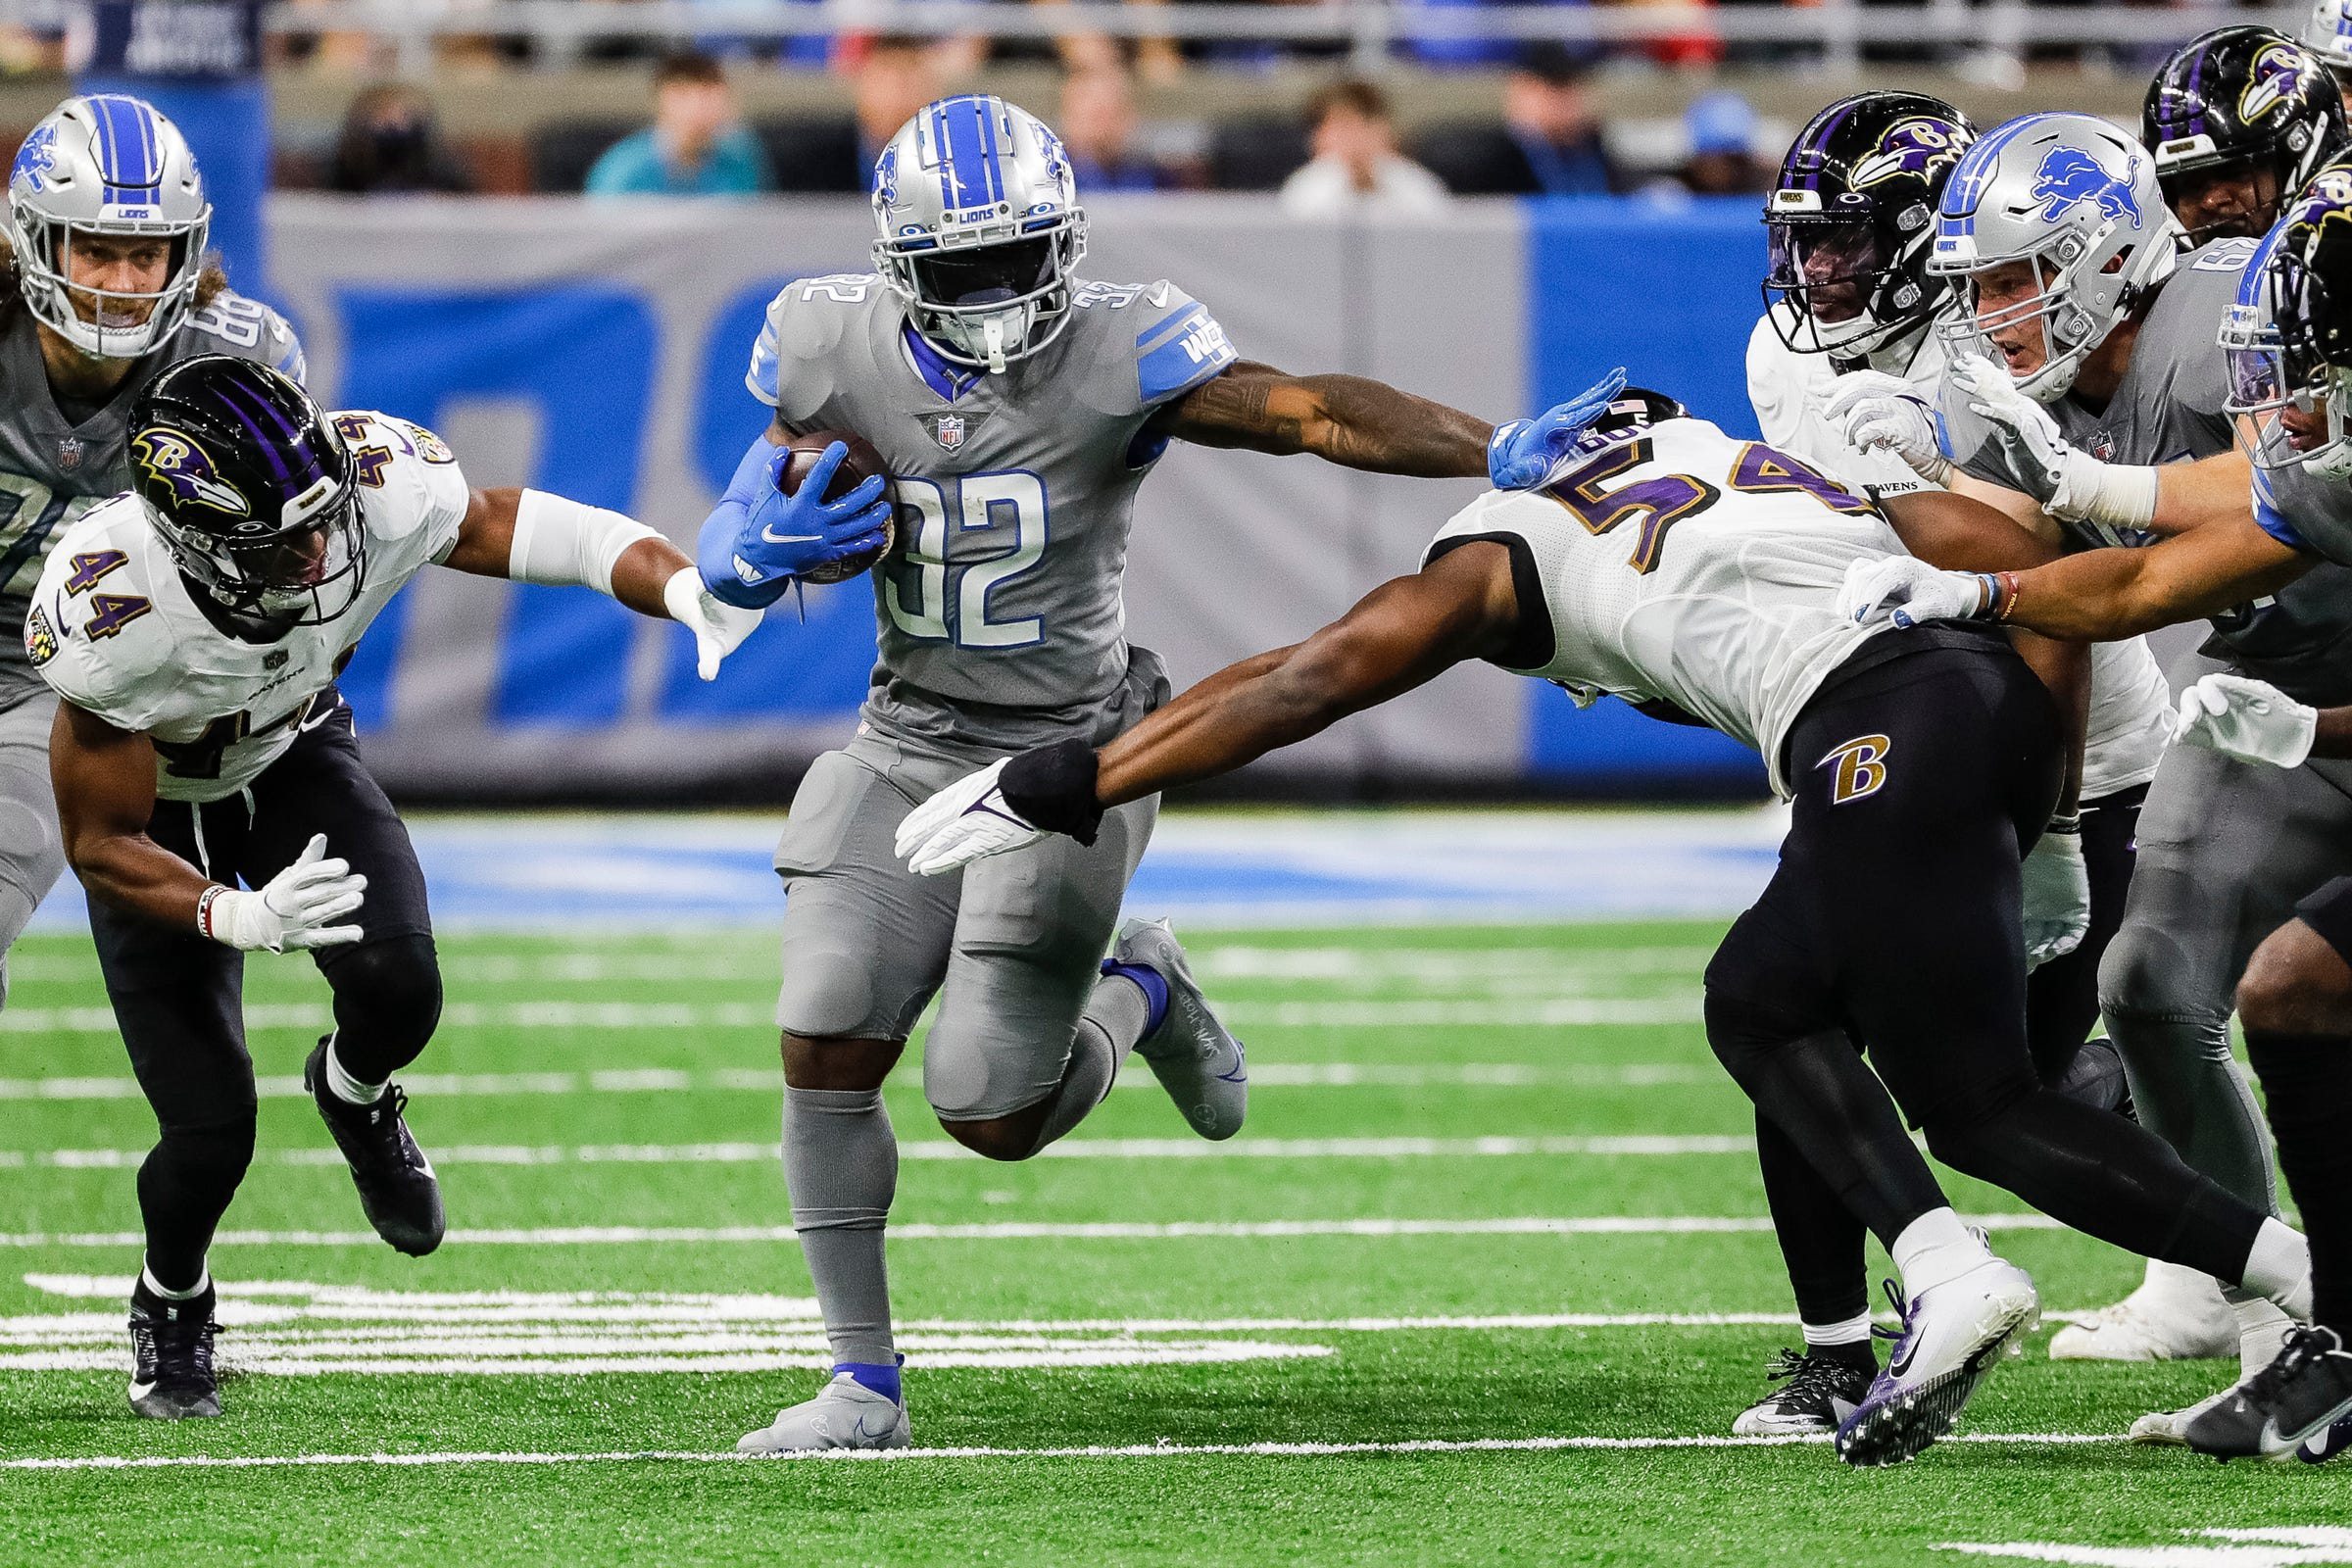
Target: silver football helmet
x,y
106,165
2328,33
2078,199
980,229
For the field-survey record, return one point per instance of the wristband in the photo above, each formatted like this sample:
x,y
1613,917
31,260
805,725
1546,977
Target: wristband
x,y
2069,822
1052,786
204,910
2002,590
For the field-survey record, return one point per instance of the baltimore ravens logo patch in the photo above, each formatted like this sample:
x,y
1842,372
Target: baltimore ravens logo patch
x,y
41,638
1861,768
177,463
2281,71
1911,146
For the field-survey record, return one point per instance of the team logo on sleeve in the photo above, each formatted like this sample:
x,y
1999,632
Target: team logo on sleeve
x,y
173,459
428,446
1861,768
41,638
2069,177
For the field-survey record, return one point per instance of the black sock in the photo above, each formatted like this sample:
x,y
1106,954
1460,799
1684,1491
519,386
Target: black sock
x,y
1862,1354
1820,1239
2307,1088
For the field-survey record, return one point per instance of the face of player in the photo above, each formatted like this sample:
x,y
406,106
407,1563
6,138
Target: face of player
x,y
2305,427
1835,267
115,265
2008,302
2230,201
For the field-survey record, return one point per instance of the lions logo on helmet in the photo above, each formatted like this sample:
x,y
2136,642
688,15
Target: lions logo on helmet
x,y
171,459
1914,146
36,160
2069,176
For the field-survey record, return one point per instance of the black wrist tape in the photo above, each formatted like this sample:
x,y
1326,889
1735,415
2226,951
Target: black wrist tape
x,y
1052,786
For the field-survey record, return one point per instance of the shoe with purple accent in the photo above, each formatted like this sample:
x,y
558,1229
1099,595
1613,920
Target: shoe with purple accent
x,y
1952,1336
1195,1058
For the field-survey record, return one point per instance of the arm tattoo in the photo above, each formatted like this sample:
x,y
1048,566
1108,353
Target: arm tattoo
x,y
1347,419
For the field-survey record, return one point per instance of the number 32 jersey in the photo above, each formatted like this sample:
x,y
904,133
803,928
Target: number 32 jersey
x,y
114,629
1684,566
1000,611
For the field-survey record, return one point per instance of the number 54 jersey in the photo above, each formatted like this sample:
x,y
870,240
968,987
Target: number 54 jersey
x,y
115,630
1002,619
1678,563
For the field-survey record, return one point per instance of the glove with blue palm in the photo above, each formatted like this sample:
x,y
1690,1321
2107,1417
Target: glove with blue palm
x,y
1525,453
759,539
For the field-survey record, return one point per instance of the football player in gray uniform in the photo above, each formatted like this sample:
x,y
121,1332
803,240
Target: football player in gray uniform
x,y
103,282
2088,401
1017,409
2290,344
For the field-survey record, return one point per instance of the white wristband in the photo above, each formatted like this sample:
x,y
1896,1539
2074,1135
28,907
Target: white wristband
x,y
562,542
2110,494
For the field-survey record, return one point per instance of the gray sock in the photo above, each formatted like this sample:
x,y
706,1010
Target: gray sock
x,y
841,1167
1113,1021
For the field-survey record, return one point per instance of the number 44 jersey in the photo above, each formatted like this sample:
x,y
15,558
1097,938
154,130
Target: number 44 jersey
x,y
1000,611
115,630
1677,564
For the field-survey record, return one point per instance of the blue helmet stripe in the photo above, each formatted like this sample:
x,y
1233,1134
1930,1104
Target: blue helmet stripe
x,y
128,150
996,169
966,172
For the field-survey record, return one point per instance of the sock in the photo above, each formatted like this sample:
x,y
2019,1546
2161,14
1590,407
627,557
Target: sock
x,y
881,1379
1849,1342
2306,1086
1149,981
2262,1327
2280,1268
343,1086
1935,1249
1118,1015
840,1167
157,1288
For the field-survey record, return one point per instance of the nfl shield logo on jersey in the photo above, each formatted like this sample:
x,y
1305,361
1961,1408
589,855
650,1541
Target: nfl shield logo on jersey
x,y
952,430
69,453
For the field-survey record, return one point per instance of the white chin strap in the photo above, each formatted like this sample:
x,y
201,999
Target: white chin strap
x,y
992,331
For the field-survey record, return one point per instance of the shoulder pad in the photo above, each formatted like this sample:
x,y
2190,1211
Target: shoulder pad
x,y
805,324
1154,342
91,629
408,477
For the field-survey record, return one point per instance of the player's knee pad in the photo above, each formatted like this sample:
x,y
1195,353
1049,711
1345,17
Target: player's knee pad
x,y
1744,1033
200,1160
829,994
978,1069
2143,974
387,997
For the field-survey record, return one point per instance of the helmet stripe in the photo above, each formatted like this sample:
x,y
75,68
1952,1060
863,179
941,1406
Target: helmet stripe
x,y
127,149
230,395
968,175
994,168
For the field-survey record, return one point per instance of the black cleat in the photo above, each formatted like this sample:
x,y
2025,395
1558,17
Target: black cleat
x,y
2298,1395
171,1376
398,1191
1816,1392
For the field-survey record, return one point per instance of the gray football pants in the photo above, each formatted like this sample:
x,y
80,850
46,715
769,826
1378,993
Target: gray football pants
x,y
2226,849
31,854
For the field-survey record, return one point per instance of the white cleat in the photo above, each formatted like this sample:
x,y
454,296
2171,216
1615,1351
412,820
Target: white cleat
x,y
1953,1336
2176,1314
845,1414
1194,1057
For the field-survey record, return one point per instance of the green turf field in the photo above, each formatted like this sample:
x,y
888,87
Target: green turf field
x,y
1448,1127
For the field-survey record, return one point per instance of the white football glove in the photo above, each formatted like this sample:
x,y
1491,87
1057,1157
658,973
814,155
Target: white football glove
x,y
1907,591
966,822
2057,886
2251,721
1881,413
2070,484
718,628
293,909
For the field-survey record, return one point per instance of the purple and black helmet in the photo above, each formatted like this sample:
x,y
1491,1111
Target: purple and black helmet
x,y
2243,101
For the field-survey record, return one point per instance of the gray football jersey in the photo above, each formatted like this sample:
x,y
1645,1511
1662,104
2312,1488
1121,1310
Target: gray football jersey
x,y
52,471
1000,612
2169,408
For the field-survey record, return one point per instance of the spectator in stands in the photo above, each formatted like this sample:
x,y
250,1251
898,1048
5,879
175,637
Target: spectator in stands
x,y
897,75
695,146
389,143
1097,126
1356,170
1726,156
1549,144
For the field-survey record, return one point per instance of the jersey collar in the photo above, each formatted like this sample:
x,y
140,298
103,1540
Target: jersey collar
x,y
941,374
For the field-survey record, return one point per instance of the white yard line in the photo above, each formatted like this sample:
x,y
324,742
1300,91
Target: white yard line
x,y
941,1148
1138,1451
1014,1230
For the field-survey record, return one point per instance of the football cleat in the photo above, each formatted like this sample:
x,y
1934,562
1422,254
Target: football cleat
x,y
1194,1057
172,1377
845,1414
2298,1397
2258,1346
2176,1314
2324,1444
398,1191
1952,1336
1816,1391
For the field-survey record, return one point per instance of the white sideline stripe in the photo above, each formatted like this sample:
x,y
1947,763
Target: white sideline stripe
x,y
1555,1012
1014,1230
942,1149
1137,1450
770,1080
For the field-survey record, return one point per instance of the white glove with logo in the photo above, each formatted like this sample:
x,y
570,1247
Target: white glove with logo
x,y
718,628
2251,721
1907,591
1881,413
2057,895
966,822
2071,485
291,912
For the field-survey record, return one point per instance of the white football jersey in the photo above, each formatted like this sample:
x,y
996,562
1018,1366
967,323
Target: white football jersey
x,y
114,629
2130,707
1683,564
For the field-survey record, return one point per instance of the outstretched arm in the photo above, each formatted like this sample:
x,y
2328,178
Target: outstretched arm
x,y
1348,420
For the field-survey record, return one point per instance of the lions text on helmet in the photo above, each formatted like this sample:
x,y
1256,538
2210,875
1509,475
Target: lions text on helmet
x,y
108,217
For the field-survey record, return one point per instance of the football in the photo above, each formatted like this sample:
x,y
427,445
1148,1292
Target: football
x,y
863,462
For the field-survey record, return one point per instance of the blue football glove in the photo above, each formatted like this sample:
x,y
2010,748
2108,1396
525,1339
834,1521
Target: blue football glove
x,y
1523,454
759,539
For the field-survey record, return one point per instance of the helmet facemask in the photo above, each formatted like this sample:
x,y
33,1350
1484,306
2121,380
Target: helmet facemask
x,y
123,325
992,301
2274,367
2068,332
305,573
1847,291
